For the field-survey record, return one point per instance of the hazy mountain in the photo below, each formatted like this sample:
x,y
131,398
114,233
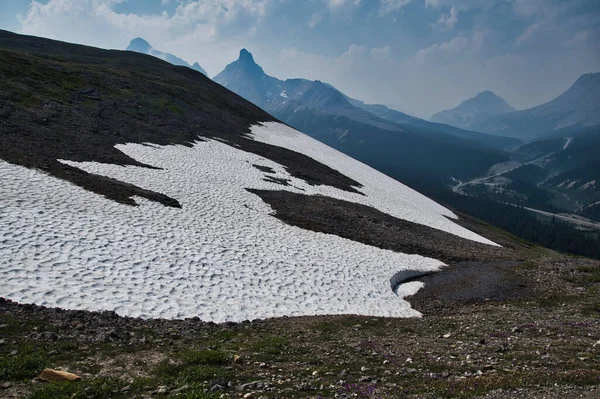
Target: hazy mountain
x,y
382,111
402,148
246,78
474,110
139,45
577,107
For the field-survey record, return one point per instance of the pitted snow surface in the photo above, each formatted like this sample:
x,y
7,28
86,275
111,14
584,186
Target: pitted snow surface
x,y
221,257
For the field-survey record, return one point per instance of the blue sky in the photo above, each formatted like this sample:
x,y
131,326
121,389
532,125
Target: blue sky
x,y
420,56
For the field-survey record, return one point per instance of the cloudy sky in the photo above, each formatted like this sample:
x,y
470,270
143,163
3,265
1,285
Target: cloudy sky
x,y
420,56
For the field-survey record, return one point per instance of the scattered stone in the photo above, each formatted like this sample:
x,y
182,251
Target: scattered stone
x,y
51,375
6,385
250,385
49,335
162,390
216,388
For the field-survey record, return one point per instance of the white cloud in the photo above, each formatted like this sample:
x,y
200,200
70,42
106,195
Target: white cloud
x,y
531,7
389,6
215,27
461,5
528,33
336,4
448,21
450,51
315,20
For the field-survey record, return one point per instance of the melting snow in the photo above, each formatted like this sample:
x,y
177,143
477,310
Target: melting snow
x,y
221,257
571,184
588,185
567,143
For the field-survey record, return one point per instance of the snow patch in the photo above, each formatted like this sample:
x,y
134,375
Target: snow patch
x,y
222,257
588,185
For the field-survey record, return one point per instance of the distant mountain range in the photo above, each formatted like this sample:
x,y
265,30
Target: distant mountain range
x,y
139,45
576,108
402,146
483,106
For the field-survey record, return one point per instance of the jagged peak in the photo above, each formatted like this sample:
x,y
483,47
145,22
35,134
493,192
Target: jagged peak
x,y
245,55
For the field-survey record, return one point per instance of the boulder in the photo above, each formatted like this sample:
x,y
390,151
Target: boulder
x,y
57,376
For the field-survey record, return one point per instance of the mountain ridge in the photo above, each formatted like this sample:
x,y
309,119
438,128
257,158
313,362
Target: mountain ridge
x,y
140,45
577,107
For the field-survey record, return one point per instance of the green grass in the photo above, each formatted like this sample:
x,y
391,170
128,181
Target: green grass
x,y
27,363
100,388
206,357
194,366
592,274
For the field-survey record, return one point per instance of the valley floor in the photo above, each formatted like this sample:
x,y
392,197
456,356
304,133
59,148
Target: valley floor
x,y
536,335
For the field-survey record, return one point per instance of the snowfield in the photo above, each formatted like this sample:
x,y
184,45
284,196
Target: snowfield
x,y
222,257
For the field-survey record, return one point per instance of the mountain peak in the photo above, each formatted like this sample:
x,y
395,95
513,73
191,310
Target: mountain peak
x,y
245,55
140,45
486,93
586,78
469,112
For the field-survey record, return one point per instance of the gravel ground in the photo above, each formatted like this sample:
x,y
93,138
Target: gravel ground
x,y
542,340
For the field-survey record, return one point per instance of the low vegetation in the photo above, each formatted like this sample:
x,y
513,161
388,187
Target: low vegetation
x,y
547,343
